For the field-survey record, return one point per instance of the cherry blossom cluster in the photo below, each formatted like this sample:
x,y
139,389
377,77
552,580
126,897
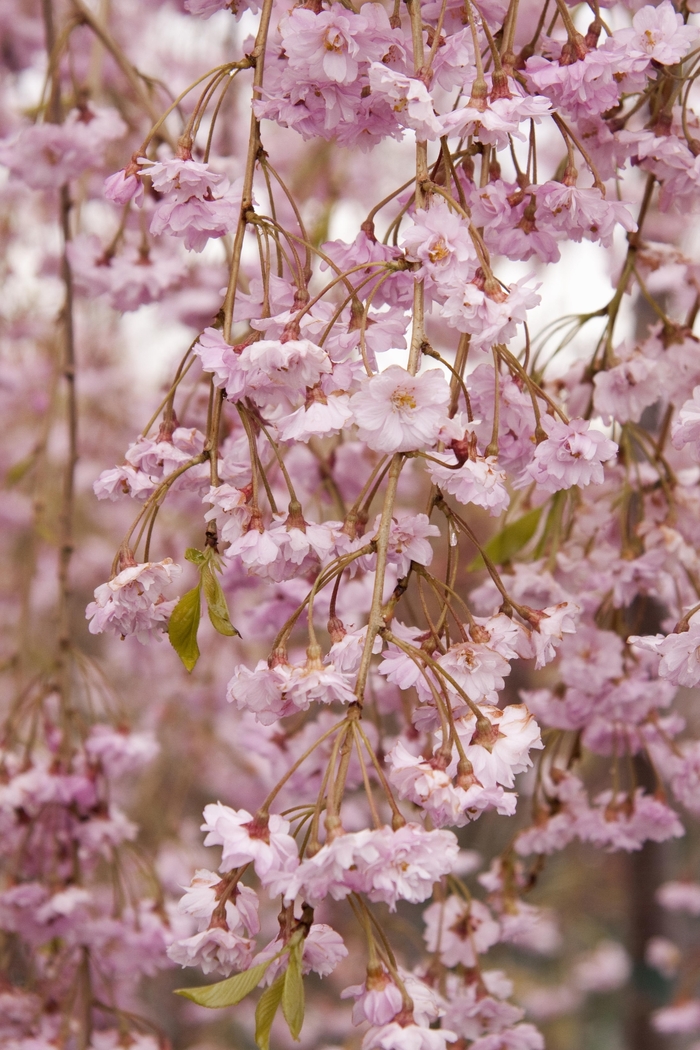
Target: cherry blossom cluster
x,y
448,553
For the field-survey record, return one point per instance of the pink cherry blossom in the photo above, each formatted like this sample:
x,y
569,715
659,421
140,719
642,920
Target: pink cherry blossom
x,y
133,602
573,454
477,481
245,840
399,412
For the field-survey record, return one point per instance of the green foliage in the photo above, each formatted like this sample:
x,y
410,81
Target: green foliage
x,y
293,994
506,544
266,1011
184,621
228,992
183,627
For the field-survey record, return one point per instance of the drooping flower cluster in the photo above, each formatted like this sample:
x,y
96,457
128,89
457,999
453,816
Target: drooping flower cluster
x,y
446,540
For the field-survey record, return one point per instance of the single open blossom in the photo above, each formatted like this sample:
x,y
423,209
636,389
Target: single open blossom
x,y
477,481
214,949
399,412
441,241
573,454
488,316
680,653
658,34
409,99
133,602
459,931
378,1000
505,750
245,840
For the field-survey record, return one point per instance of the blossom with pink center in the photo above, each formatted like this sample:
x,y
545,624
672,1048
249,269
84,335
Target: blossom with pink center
x,y
460,931
680,653
478,481
262,691
395,1036
433,789
658,34
548,629
488,318
441,241
398,412
267,846
201,899
409,99
378,1000
476,668
573,454
680,1017
680,896
498,755
133,602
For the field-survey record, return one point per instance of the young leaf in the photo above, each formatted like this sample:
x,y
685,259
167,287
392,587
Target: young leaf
x,y
216,602
510,540
293,994
266,1010
183,627
195,556
228,992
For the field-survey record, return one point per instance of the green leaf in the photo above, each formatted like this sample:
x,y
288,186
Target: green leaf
x,y
510,540
228,992
18,470
216,603
183,627
266,1010
293,995
195,556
